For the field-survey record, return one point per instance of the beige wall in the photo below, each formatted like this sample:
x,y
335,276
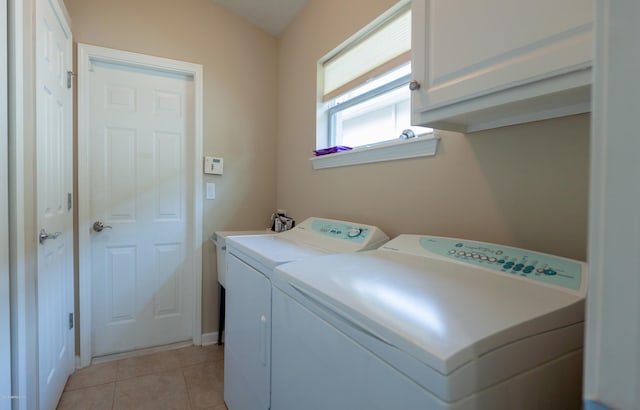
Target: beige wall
x,y
524,185
239,65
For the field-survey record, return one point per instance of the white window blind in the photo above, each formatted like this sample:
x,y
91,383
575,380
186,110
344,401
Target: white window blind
x,y
380,50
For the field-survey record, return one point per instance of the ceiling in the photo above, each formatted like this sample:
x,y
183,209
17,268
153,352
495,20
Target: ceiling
x,y
272,16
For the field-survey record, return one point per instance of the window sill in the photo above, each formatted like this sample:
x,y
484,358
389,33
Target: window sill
x,y
411,148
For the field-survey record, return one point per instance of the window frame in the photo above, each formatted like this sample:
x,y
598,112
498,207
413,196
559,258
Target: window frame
x,y
326,125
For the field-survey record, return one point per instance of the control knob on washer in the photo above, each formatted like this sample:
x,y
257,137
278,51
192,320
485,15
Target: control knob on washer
x,y
354,232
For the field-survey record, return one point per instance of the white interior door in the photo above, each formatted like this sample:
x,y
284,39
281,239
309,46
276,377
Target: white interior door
x,y
54,167
141,128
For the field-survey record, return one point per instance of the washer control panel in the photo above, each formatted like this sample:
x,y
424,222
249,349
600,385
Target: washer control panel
x,y
541,267
335,236
339,230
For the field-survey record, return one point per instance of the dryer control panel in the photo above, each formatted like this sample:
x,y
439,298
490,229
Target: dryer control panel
x,y
534,265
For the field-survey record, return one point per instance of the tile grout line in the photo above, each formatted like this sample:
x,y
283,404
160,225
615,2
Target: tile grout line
x,y
186,386
115,386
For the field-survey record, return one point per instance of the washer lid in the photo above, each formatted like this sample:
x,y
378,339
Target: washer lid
x,y
269,251
442,313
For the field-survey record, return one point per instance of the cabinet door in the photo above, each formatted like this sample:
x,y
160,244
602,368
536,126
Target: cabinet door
x,y
247,347
495,52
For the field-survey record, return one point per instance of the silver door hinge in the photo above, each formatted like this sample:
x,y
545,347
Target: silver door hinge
x,y
71,320
70,75
69,201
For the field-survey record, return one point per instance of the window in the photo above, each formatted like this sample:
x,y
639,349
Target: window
x,y
364,93
376,111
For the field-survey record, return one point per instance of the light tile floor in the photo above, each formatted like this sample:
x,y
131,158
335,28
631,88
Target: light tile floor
x,y
190,378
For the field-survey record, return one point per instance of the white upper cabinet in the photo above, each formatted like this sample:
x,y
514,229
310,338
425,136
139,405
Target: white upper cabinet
x,y
487,64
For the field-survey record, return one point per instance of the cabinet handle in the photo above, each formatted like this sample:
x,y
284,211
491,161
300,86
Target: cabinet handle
x,y
414,85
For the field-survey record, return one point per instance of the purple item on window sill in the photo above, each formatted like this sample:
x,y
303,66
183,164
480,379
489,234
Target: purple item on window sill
x,y
331,150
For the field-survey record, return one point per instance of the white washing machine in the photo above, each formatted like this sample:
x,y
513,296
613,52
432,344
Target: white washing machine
x,y
429,323
250,263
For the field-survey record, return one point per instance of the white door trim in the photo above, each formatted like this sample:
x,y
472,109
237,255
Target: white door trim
x,y
612,339
21,137
86,55
5,307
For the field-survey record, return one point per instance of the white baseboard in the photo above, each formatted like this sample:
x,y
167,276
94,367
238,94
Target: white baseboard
x,y
210,338
207,339
141,352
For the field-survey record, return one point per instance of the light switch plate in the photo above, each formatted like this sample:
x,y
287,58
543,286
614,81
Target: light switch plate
x,y
213,165
211,190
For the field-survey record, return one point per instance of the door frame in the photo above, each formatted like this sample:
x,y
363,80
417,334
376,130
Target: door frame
x,y
23,248
86,55
5,306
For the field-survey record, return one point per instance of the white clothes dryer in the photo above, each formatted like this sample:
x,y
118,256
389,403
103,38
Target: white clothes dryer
x,y
429,323
250,263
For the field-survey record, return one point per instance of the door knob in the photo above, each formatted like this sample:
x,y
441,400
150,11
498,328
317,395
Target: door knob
x,y
44,235
98,226
414,85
